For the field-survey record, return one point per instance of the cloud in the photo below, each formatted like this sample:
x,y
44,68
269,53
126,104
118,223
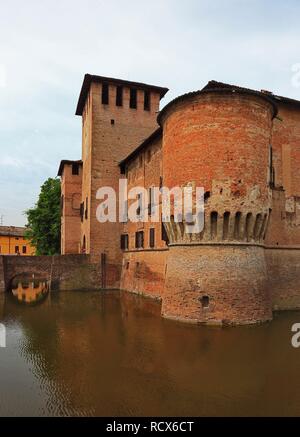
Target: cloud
x,y
46,47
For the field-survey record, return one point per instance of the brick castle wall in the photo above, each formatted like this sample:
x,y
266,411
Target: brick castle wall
x,y
221,141
114,132
66,272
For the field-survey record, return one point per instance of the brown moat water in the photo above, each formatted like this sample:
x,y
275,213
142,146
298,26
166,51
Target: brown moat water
x,y
88,353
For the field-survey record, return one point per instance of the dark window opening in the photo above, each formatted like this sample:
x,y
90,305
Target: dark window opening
x,y
24,249
206,196
75,169
152,237
124,242
17,249
112,121
150,201
133,98
81,211
139,239
127,265
119,96
204,301
86,207
164,235
147,100
140,204
213,224
84,244
105,95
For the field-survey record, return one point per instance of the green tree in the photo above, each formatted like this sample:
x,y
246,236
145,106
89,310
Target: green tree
x,y
43,227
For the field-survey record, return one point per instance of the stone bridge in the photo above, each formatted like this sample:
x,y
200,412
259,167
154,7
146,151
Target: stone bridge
x,y
65,272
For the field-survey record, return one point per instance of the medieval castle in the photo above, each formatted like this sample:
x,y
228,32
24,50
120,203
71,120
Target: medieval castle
x,y
242,146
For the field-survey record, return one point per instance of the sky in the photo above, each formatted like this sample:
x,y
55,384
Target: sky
x,y
47,46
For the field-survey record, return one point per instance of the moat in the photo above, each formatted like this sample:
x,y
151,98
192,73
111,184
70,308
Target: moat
x,y
111,354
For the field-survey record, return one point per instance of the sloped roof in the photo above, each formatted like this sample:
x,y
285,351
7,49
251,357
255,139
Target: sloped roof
x,y
89,78
66,162
214,86
12,231
156,134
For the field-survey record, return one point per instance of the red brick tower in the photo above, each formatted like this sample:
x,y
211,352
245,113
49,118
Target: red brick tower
x,y
116,116
71,178
219,140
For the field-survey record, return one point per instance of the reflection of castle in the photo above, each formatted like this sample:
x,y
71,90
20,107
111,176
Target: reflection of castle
x,y
242,146
31,292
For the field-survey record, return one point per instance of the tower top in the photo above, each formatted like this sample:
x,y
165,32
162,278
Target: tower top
x,y
89,78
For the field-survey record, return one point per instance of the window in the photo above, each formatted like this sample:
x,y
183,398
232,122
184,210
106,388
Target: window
x,y
16,238
139,239
24,250
105,95
124,242
152,237
86,207
133,98
204,301
112,122
75,169
164,235
81,211
119,96
160,182
151,200
17,249
140,203
147,100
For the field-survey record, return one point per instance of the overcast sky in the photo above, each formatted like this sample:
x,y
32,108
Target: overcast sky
x,y
47,46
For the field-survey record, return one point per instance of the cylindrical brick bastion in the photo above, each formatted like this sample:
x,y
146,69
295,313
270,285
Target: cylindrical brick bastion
x,y
219,140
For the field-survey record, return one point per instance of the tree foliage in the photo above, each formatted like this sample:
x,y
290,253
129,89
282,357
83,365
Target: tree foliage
x,y
43,227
